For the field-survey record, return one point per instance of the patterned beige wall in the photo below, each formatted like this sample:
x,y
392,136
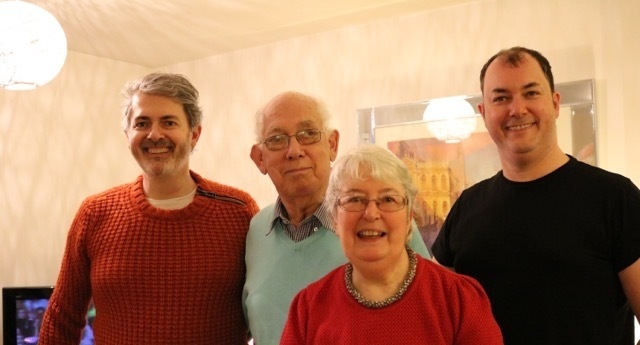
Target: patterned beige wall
x,y
417,57
62,142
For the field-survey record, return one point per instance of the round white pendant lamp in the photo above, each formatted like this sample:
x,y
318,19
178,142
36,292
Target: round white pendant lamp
x,y
33,46
450,119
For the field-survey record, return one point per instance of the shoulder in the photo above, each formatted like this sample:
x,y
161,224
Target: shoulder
x,y
597,178
590,171
107,196
259,226
450,281
264,217
108,203
482,188
224,193
267,211
223,190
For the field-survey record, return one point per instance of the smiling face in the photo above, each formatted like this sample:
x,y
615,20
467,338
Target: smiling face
x,y
297,171
519,109
372,235
159,135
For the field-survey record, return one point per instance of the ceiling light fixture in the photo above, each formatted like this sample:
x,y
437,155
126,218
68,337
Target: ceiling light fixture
x,y
450,119
33,46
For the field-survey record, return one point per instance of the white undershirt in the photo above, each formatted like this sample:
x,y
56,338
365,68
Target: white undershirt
x,y
175,203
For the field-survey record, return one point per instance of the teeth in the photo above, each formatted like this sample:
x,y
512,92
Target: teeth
x,y
158,150
519,127
370,233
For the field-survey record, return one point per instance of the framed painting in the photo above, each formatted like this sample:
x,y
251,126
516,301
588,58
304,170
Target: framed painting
x,y
441,171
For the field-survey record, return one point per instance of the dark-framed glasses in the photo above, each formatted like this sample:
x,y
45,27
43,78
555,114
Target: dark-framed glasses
x,y
281,141
359,203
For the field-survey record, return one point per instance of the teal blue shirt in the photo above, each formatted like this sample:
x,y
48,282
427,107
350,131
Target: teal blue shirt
x,y
278,268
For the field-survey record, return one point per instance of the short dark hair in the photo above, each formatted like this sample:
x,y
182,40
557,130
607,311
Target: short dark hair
x,y
514,56
174,86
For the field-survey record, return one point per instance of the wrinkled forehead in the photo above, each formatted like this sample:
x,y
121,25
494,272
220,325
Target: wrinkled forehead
x,y
291,113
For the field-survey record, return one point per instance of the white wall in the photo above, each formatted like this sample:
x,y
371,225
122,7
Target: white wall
x,y
417,57
58,144
62,142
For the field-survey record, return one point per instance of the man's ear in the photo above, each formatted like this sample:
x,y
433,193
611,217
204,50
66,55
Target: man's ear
x,y
195,135
334,139
256,157
556,103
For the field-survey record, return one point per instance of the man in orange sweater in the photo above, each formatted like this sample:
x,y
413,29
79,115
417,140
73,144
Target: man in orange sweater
x,y
161,257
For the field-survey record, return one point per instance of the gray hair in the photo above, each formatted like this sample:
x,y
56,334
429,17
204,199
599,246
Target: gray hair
x,y
368,161
174,86
316,105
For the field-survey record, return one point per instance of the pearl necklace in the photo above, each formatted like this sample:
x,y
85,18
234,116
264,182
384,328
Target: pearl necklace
x,y
348,279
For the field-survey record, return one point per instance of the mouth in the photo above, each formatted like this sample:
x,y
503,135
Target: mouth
x,y
519,127
371,234
157,150
296,170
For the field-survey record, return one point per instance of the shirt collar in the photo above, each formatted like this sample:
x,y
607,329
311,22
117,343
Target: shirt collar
x,y
280,213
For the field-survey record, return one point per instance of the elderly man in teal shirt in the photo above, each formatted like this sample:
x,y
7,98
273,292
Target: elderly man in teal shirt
x,y
291,243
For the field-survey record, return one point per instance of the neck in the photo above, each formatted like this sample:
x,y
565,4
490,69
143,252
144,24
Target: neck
x,y
168,187
376,283
525,168
301,208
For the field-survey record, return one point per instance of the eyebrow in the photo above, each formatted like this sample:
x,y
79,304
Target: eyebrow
x,y
525,87
383,191
162,118
166,117
306,124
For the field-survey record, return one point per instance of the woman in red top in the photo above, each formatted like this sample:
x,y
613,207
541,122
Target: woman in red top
x,y
386,294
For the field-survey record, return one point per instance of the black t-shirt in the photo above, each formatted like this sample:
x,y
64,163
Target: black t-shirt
x,y
548,253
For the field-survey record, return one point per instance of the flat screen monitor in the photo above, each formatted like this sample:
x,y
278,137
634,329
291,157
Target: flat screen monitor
x,y
22,312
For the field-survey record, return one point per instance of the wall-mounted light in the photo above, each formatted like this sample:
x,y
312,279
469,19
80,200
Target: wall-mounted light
x,y
450,119
33,46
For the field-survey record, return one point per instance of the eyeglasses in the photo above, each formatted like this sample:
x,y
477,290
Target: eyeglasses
x,y
386,203
281,141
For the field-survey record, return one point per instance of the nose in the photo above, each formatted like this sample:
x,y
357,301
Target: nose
x,y
155,132
518,106
372,212
294,150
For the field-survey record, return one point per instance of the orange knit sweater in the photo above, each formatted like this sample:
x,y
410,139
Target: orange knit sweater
x,y
155,276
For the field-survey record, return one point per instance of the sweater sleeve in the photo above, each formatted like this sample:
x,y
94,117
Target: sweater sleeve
x,y
65,317
477,324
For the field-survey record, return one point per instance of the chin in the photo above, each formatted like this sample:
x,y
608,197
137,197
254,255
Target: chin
x,y
155,169
370,254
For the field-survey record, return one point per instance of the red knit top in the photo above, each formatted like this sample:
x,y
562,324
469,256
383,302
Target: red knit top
x,y
156,276
439,308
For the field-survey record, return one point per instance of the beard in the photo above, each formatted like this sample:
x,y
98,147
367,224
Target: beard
x,y
175,162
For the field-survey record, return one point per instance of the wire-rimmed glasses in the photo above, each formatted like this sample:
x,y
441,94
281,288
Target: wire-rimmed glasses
x,y
359,203
281,141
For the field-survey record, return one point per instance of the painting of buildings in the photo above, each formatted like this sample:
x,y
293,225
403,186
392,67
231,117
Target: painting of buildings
x,y
441,172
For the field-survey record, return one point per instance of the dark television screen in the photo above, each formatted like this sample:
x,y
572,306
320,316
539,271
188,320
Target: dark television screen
x,y
22,312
